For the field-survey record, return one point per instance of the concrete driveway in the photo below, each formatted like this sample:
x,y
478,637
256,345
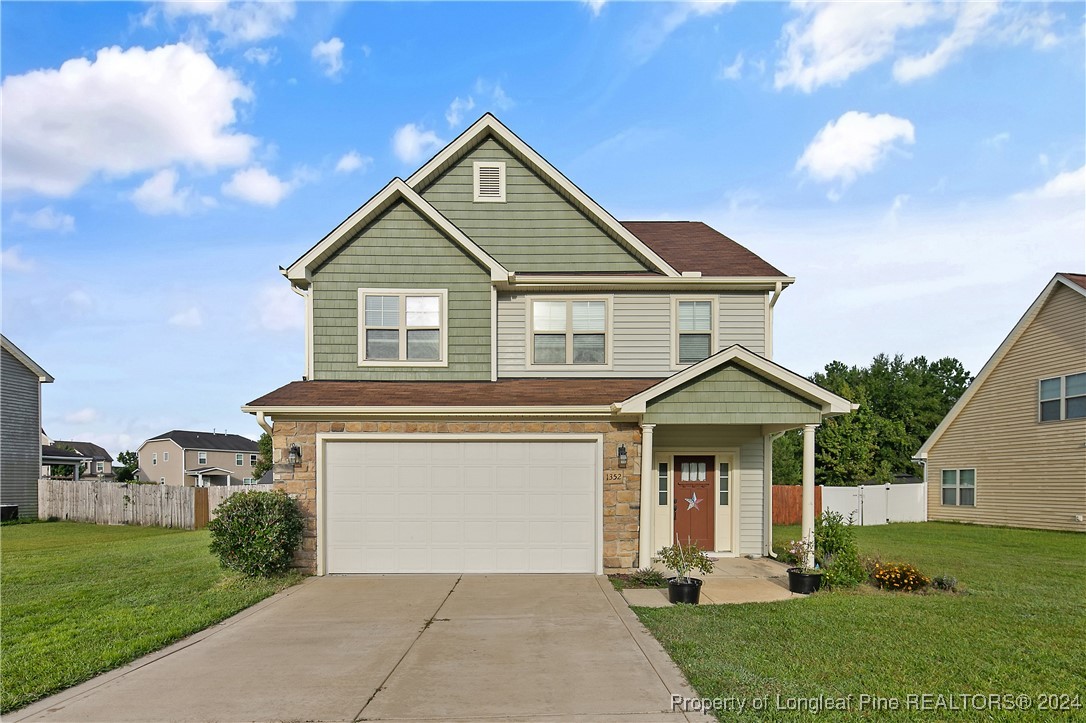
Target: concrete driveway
x,y
404,647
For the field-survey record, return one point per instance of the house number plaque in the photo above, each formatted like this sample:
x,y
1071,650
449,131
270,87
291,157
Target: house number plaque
x,y
613,477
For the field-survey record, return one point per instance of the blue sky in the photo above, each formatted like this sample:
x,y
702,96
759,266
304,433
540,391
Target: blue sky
x,y
918,167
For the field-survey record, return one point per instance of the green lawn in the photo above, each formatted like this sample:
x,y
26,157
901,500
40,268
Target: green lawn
x,y
78,600
1019,629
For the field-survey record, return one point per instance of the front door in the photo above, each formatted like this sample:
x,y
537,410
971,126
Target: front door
x,y
694,501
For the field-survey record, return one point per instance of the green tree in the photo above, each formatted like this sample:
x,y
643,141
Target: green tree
x,y
788,458
264,457
128,464
67,470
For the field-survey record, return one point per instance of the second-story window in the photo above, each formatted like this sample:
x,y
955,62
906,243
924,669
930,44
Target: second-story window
x,y
252,460
154,458
1062,398
239,459
201,458
569,332
693,330
402,327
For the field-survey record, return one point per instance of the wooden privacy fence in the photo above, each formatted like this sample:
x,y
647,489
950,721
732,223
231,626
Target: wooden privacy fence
x,y
788,504
118,503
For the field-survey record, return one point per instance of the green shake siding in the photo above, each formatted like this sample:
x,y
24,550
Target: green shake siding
x,y
535,230
400,250
732,395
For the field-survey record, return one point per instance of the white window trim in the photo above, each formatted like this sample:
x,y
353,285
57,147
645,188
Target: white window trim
x,y
1062,399
162,480
443,342
722,454
252,460
957,486
500,165
714,324
99,467
165,456
239,459
201,458
608,331
154,458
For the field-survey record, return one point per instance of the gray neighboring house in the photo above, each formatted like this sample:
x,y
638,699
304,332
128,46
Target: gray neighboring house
x,y
198,459
99,462
20,427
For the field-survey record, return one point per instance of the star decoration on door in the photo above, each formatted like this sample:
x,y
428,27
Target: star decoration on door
x,y
693,502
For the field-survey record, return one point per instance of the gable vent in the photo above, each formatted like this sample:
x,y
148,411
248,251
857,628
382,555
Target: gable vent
x,y
489,181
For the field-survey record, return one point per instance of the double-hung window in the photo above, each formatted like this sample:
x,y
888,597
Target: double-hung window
x,y
960,487
154,458
252,460
402,327
1062,398
239,459
572,331
201,458
694,337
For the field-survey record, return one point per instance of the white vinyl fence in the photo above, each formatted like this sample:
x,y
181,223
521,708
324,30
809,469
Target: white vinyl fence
x,y
877,504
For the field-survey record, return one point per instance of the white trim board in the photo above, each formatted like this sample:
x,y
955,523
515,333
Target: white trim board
x,y
22,357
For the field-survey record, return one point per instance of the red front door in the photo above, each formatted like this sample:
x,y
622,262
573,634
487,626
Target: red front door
x,y
694,481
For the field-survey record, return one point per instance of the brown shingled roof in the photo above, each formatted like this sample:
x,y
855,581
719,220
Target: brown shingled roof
x,y
695,246
1079,279
502,393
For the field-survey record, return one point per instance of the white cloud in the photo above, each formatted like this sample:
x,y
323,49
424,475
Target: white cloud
x,y
493,90
411,143
853,145
1069,184
256,185
733,71
973,19
125,112
82,416
353,161
595,6
189,318
647,39
998,140
895,208
329,54
79,300
828,42
279,308
45,219
457,108
260,56
237,22
159,195
12,260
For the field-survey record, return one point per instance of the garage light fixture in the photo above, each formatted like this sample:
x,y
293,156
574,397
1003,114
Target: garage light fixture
x,y
295,454
622,455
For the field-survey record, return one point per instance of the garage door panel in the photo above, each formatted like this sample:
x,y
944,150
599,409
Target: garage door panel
x,y
467,506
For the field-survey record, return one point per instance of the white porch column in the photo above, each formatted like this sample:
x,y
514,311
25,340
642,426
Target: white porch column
x,y
808,488
644,547
229,480
199,480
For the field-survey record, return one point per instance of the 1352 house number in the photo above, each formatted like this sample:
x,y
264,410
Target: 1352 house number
x,y
612,476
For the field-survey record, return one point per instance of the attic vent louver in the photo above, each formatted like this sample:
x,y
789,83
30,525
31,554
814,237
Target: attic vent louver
x,y
489,181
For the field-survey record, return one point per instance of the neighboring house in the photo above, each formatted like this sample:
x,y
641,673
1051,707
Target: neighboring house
x,y
197,459
1012,451
99,462
20,427
504,378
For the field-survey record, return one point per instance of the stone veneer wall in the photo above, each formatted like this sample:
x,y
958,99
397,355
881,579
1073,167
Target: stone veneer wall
x,y
621,499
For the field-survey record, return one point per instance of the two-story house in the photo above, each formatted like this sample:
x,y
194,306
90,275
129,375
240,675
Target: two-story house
x,y
1012,450
20,428
501,377
98,462
197,459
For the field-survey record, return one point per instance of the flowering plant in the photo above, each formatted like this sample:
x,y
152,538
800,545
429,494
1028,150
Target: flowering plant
x,y
802,550
685,558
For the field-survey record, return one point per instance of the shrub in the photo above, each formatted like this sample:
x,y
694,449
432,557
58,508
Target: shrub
x,y
835,540
256,533
648,577
684,559
945,582
899,576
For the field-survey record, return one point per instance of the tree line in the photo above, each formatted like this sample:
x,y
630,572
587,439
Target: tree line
x,y
901,404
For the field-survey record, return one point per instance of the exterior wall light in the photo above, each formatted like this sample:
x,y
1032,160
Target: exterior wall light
x,y
622,455
294,455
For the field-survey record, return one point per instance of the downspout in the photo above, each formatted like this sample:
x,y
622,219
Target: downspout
x,y
263,422
769,321
307,297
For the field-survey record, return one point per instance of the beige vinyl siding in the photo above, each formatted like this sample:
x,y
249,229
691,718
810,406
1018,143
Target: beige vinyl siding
x,y
731,394
172,469
641,332
400,250
748,439
223,460
1029,474
535,230
20,435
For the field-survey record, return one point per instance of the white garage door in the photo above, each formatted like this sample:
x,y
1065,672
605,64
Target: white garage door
x,y
478,506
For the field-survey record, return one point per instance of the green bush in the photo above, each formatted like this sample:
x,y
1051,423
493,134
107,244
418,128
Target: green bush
x,y
648,577
256,533
836,550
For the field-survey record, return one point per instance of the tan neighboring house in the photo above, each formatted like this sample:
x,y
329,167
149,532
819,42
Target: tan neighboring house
x,y
198,459
502,377
1012,451
98,462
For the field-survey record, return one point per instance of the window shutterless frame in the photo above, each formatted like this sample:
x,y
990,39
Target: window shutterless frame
x,y
958,487
562,329
396,323
201,458
1061,398
683,310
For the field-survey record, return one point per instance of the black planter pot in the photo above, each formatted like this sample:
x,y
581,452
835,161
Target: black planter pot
x,y
684,592
803,582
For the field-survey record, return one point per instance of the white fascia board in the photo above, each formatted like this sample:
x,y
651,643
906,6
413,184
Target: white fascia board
x,y
489,124
421,411
646,283
993,362
831,403
299,271
22,357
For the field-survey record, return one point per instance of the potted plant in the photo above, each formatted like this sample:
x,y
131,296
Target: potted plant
x,y
683,559
803,579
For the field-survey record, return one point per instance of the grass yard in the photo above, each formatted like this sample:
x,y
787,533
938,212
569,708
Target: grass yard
x,y
1019,629
79,599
